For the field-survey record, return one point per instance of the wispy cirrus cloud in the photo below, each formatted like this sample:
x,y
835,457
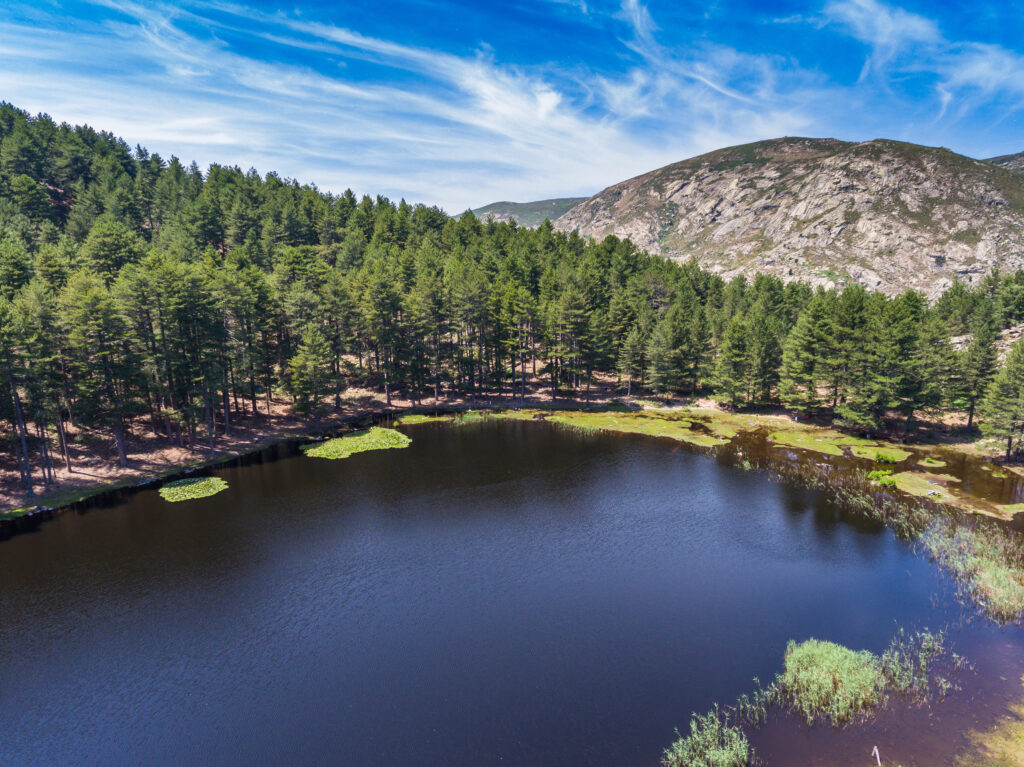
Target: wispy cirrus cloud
x,y
315,96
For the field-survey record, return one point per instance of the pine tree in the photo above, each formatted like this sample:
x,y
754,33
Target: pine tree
x,y
804,358
978,362
310,374
1003,406
731,384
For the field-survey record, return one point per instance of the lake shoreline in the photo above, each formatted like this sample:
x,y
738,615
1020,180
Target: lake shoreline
x,y
722,427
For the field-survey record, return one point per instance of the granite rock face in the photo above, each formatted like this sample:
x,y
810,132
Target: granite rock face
x,y
886,214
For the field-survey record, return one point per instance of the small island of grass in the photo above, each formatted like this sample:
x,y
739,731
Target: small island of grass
x,y
375,438
191,488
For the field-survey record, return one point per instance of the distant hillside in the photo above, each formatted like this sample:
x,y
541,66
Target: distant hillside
x,y
883,213
528,213
1014,162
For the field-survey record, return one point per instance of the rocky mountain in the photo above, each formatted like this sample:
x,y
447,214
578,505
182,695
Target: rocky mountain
x,y
883,213
528,213
1014,162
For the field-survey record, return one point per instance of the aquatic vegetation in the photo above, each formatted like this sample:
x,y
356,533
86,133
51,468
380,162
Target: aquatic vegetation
x,y
932,463
674,427
820,441
416,418
375,438
987,560
712,742
882,477
1001,746
827,681
820,681
925,484
191,488
880,453
824,680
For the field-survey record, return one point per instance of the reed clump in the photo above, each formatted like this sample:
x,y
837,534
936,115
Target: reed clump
x,y
712,742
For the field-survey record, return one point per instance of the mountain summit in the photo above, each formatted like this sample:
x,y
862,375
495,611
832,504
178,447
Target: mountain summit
x,y
887,214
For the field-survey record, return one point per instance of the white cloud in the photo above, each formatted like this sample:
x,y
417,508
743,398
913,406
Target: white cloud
x,y
456,130
435,127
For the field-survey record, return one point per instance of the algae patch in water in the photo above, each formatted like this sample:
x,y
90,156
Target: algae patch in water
x,y
416,418
191,488
375,438
664,425
880,453
925,485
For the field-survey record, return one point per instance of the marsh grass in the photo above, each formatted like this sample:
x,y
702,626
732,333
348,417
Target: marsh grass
x,y
190,488
417,418
820,682
824,680
712,742
880,453
670,425
374,438
987,561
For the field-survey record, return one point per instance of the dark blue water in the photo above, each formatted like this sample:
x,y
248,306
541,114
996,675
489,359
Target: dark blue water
x,y
496,594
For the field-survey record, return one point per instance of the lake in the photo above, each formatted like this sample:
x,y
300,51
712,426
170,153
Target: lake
x,y
498,593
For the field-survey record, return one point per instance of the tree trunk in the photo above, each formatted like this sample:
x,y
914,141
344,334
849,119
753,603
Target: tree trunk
x,y
122,455
26,469
63,439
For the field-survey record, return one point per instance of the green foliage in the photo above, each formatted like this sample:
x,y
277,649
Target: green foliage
x,y
139,287
827,680
882,477
712,742
191,488
374,438
1003,406
988,560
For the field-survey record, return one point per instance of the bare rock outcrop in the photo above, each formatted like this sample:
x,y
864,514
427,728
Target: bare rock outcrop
x,y
882,213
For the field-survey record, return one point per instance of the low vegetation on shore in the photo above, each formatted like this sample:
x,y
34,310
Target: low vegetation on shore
x,y
191,488
375,438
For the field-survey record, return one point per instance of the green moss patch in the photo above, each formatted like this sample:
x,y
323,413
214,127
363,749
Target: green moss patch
x,y
638,423
375,438
15,513
818,441
190,488
932,463
415,418
925,485
880,453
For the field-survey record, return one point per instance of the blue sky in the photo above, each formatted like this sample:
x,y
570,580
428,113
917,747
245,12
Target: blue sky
x,y
461,104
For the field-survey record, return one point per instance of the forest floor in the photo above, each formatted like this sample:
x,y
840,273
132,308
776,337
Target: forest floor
x,y
152,454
